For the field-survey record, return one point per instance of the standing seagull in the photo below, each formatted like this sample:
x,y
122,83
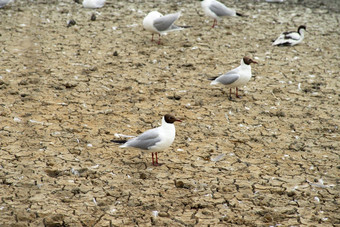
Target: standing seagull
x,y
156,23
236,77
156,139
93,4
216,10
291,38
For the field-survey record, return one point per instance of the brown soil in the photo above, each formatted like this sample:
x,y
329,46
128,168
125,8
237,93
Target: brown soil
x,y
269,158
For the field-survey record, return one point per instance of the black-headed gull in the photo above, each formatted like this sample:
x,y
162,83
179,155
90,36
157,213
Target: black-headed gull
x,y
236,77
156,139
4,2
93,4
156,23
217,10
291,38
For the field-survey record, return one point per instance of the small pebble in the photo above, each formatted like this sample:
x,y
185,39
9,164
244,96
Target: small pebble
x,y
71,23
93,17
179,184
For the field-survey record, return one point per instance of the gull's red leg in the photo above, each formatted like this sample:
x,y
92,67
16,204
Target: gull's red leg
x,y
237,96
159,39
153,161
215,23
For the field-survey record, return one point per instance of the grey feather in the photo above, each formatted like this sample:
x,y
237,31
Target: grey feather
x,y
145,140
166,22
221,10
228,78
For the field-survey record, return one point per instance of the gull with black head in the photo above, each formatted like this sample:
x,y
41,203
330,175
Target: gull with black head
x,y
236,77
154,140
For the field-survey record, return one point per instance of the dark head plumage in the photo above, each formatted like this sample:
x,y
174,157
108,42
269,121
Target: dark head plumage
x,y
302,27
248,61
170,119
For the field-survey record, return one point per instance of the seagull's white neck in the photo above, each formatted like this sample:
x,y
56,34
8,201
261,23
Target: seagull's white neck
x,y
244,65
163,121
167,126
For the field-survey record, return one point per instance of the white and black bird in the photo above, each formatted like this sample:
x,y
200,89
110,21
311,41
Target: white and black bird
x,y
236,77
291,38
154,140
156,23
93,4
217,10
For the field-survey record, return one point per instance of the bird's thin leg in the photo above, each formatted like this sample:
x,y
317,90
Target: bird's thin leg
x,y
152,38
159,39
156,158
237,96
215,23
230,98
153,161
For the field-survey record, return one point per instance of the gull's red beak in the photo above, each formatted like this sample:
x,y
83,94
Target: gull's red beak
x,y
178,120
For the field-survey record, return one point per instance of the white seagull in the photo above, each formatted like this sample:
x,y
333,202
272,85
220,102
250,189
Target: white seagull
x,y
93,4
156,23
217,10
4,2
156,139
236,77
291,38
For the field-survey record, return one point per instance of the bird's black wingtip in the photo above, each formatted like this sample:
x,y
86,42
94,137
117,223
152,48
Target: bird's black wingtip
x,y
118,141
186,26
212,78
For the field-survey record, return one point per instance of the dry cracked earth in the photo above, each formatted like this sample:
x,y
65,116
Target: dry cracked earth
x,y
270,158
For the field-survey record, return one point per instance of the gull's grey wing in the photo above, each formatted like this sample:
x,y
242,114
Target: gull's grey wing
x,y
145,140
165,22
221,10
228,78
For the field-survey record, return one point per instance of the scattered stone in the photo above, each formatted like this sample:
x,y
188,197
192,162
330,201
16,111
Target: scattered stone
x,y
179,184
268,218
291,193
93,17
174,97
53,173
142,176
75,191
70,84
163,214
71,23
115,53
188,65
54,220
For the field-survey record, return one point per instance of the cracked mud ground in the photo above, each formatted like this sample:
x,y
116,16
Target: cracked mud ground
x,y
270,158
